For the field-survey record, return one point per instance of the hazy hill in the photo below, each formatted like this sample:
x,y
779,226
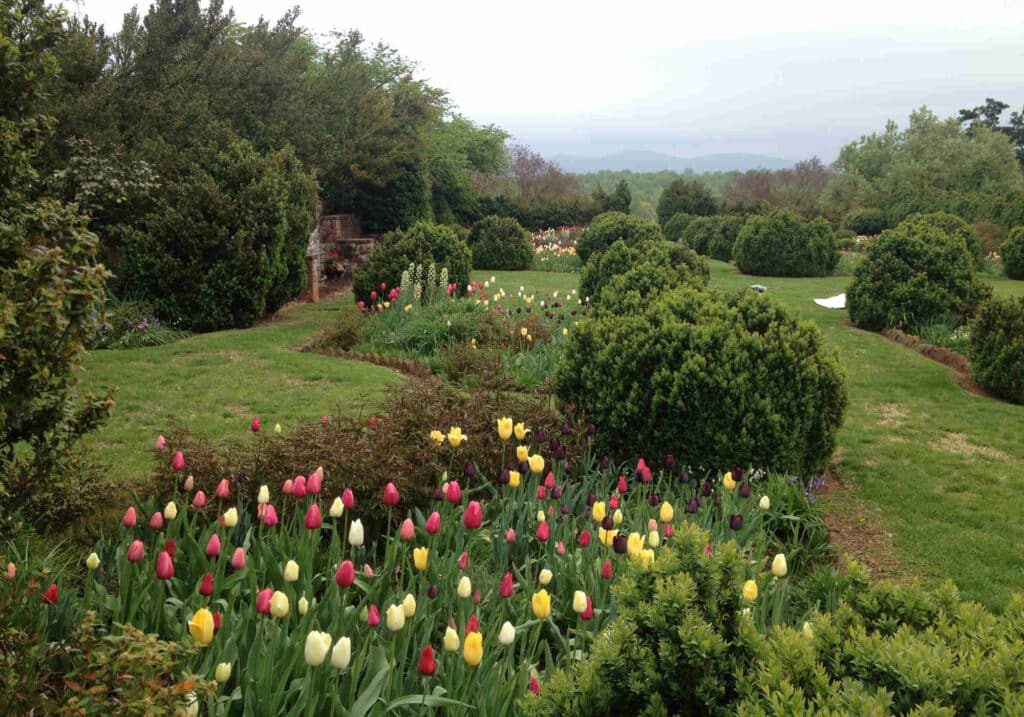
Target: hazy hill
x,y
644,161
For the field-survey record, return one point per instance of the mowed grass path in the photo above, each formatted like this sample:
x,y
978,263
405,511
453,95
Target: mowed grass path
x,y
215,383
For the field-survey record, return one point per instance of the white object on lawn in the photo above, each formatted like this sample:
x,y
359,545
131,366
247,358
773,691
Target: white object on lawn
x,y
833,302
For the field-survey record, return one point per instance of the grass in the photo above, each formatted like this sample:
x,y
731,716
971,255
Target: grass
x,y
215,383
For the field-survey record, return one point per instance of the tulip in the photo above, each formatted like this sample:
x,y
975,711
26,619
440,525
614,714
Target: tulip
x,y
584,539
560,548
50,596
223,672
617,517
654,538
522,453
255,425
514,477
779,567
373,616
541,516
433,524
346,574
506,586
765,503
315,482
646,558
607,537
520,430
473,516
541,603
549,481
313,518
510,536
808,630
317,645
536,462
421,558
437,437
643,473
409,605
465,588
263,601
453,492
736,521
263,495
135,551
666,513
355,533
508,633
189,483
543,532
391,496
337,508
277,428
428,665
692,505
130,517
473,652
708,549
199,499
178,462
745,489
727,481
291,571
606,570
169,547
341,655
164,566
456,437
395,618
598,511
505,428
299,486
407,531
534,686
750,591
161,443
223,489
279,604
213,546
200,627
613,502
92,562
347,499
170,511
542,492
634,544
206,586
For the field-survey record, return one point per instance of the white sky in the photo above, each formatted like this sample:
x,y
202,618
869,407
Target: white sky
x,y
789,78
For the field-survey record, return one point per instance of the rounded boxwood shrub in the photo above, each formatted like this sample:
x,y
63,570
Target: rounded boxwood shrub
x,y
610,227
952,225
1012,252
713,236
784,244
997,348
675,226
868,221
914,275
680,263
423,243
661,267
717,379
500,243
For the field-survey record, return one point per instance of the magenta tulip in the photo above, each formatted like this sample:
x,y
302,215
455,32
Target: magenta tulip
x,y
178,462
433,525
213,546
199,499
164,566
346,574
269,515
347,499
135,551
156,521
313,517
391,496
473,516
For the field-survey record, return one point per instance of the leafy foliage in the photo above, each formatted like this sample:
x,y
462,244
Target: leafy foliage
x,y
718,380
866,221
783,244
713,236
610,227
952,225
500,243
685,195
676,226
997,348
1012,252
628,276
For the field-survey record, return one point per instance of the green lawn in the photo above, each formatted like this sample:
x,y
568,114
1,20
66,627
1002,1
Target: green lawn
x,y
215,383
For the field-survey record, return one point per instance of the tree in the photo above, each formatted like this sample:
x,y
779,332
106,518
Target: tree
x,y
989,114
689,196
621,199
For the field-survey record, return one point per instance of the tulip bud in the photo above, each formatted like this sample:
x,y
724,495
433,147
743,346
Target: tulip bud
x,y
409,605
223,672
303,605
170,511
178,462
291,571
230,517
508,633
541,603
269,515
473,516
255,425
421,558
12,571
223,489
130,517
543,532
745,489
736,521
765,503
749,591
206,586
545,576
617,516
536,462
164,566
808,630
623,485
314,484
199,499
263,601
692,505
313,518
654,538
189,483
50,597
317,645
668,530
277,428
510,536
156,521
355,533
346,574
666,513
584,540
534,686
606,570
514,478
465,588
161,443
391,496
428,665
341,655
279,604
395,618
373,616
238,559
135,551
779,567
407,531
453,492
93,561
727,481
299,486
213,546
613,502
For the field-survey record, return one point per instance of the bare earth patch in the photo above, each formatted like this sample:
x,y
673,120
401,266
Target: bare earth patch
x,y
890,414
959,444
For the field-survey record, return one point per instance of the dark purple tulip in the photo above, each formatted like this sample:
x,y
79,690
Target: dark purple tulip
x,y
684,477
718,501
566,430
736,522
654,499
541,436
524,468
705,489
737,474
556,492
438,494
605,463
591,498
565,509
745,490
560,453
241,477
591,428
432,592
503,477
469,469
607,523
619,544
554,443
669,462
692,506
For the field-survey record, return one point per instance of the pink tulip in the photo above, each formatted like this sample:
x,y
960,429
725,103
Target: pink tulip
x,y
584,540
199,499
164,566
223,489
269,515
130,517
506,586
454,492
613,502
606,570
391,496
313,518
263,601
255,425
668,530
373,616
135,551
189,482
433,525
156,521
178,463
314,484
289,487
542,492
464,560
473,516
510,536
543,532
347,499
549,481
623,485
213,546
299,486
323,420
560,548
161,443
408,531
346,574
238,558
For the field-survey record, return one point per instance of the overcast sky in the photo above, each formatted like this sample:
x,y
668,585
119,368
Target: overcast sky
x,y
790,78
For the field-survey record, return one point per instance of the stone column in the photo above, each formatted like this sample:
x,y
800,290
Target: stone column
x,y
313,272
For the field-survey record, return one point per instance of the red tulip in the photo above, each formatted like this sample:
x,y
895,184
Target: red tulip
x,y
613,502
433,525
223,489
506,586
170,548
464,560
206,587
473,624
156,521
199,499
584,540
373,616
534,686
130,517
373,295
178,462
478,595
542,492
383,286
606,570
623,486
643,473
216,621
263,601
453,494
269,515
299,486
135,551
588,614
543,532
51,595
164,566
313,484
668,530
549,481
255,425
510,536
313,518
473,516
391,496
238,558
347,499
427,663
408,531
346,574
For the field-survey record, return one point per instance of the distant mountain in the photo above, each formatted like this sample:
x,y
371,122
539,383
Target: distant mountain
x,y
644,161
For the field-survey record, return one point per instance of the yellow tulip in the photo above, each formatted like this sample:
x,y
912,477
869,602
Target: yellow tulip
x,y
646,558
523,332
808,630
408,308
514,478
504,428
437,437
277,428
93,561
666,513
521,430
200,627
473,652
223,672
456,437
522,453
765,503
451,640
606,536
654,538
303,605
409,605
598,511
465,588
634,544
541,516
291,571
545,576
565,331
537,463
779,567
337,508
231,517
421,558
617,516
263,496
750,590
541,602
279,604
579,601
395,617
728,482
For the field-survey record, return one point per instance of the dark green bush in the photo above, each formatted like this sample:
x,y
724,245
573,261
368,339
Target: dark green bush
x,y
784,244
952,225
662,266
997,348
685,195
868,221
716,379
610,227
1012,253
675,226
500,244
713,236
423,243
914,275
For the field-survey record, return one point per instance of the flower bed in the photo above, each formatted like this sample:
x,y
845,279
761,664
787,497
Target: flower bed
x,y
555,249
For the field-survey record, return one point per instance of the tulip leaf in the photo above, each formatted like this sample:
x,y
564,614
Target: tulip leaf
x,y
428,700
371,693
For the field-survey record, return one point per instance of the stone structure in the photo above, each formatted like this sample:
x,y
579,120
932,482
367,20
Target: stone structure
x,y
339,235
